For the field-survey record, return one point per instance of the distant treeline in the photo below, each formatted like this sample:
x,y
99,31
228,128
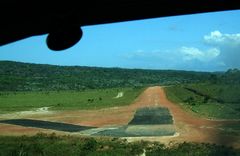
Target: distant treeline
x,y
17,76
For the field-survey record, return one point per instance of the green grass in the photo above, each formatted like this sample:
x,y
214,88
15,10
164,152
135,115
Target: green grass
x,y
52,145
230,129
88,99
227,93
229,108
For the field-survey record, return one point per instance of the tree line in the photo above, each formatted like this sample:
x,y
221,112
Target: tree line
x,y
17,76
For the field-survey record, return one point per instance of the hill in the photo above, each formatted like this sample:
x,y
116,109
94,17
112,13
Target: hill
x,y
217,98
17,76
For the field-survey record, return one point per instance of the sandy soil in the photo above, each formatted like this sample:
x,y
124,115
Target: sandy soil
x,y
188,127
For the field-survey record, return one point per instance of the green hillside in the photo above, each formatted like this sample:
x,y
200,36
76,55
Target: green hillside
x,y
16,76
221,101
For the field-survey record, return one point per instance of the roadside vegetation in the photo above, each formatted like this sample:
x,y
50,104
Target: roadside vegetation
x,y
215,98
44,145
63,100
219,101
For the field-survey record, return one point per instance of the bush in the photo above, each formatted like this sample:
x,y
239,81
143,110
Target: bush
x,y
45,145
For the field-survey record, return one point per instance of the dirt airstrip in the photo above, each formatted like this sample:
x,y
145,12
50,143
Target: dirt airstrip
x,y
188,126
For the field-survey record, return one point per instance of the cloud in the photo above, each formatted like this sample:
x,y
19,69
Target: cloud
x,y
188,58
219,51
219,39
191,53
228,44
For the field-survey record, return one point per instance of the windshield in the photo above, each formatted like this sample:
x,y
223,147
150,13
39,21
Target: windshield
x,y
142,87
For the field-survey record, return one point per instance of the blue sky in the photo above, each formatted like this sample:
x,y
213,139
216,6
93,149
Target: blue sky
x,y
202,42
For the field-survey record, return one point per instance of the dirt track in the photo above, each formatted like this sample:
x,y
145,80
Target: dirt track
x,y
189,127
192,128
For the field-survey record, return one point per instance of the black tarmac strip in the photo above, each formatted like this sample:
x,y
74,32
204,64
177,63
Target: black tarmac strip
x,y
46,125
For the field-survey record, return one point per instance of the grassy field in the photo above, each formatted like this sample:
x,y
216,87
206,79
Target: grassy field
x,y
208,100
88,99
44,145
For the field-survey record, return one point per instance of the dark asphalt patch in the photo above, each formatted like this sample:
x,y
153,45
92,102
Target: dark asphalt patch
x,y
46,125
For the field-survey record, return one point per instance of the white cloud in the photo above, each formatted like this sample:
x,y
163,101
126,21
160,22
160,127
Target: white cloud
x,y
219,39
222,51
189,58
229,45
191,53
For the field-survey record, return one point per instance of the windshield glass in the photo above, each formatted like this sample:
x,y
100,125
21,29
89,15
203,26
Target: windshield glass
x,y
165,85
206,42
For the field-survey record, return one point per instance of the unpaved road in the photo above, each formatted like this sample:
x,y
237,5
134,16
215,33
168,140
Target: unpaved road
x,y
188,127
192,128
